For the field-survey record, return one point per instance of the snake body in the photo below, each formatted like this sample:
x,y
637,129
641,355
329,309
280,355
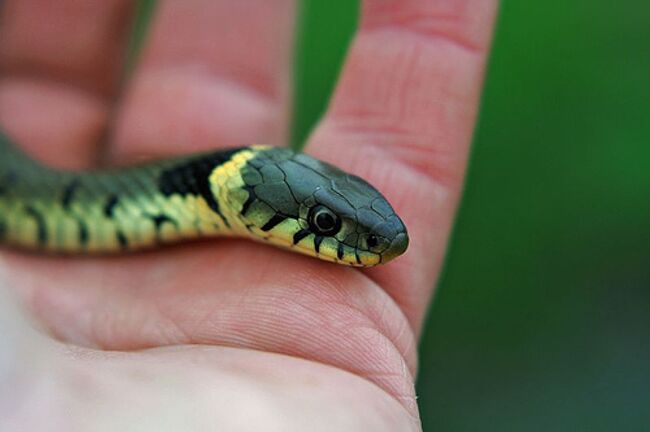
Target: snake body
x,y
263,193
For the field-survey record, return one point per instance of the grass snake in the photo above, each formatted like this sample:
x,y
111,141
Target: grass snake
x,y
268,194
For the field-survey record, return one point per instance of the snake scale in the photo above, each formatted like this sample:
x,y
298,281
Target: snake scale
x,y
263,193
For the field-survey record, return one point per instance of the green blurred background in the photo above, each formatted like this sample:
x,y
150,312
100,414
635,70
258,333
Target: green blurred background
x,y
541,320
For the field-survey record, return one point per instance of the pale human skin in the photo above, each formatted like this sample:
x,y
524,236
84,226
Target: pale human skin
x,y
229,334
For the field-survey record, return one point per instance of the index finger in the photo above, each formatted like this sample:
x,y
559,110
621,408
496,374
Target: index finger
x,y
402,117
60,64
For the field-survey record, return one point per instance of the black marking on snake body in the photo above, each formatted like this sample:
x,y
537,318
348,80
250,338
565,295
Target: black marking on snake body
x,y
300,235
122,240
275,220
206,192
192,177
356,254
252,197
109,207
68,193
40,224
340,251
317,241
7,182
160,219
3,229
83,232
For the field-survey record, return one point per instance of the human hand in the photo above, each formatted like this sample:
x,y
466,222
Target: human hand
x,y
228,332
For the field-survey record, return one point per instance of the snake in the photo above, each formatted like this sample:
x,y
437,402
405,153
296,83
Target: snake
x,y
268,194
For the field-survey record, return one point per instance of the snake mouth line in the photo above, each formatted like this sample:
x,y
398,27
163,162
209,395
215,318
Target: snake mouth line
x,y
305,249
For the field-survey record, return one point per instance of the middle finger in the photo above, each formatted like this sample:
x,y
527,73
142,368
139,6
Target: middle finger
x,y
213,74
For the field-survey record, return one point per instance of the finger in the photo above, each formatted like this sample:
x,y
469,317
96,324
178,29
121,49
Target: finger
x,y
59,66
402,117
193,388
77,43
40,377
213,74
18,340
227,293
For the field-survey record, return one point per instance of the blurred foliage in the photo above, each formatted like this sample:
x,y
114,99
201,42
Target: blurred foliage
x,y
143,14
323,34
542,317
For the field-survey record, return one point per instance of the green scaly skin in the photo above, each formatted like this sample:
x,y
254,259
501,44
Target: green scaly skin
x,y
262,193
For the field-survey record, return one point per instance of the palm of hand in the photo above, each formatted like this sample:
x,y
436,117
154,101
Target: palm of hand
x,y
401,117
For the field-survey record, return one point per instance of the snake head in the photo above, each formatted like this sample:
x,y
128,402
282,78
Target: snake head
x,y
298,202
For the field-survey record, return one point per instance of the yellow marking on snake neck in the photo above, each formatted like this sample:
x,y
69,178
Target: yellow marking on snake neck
x,y
225,181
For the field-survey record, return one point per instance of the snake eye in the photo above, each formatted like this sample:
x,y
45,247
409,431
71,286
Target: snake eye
x,y
372,241
324,221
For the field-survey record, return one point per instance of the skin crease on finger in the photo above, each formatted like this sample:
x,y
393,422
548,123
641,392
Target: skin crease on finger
x,y
334,317
51,387
331,315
